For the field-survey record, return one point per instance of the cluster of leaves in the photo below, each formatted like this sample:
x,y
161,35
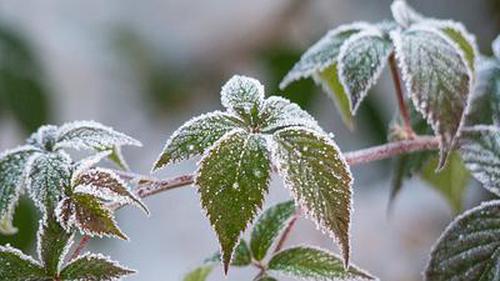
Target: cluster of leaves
x,y
239,148
436,59
302,262
71,196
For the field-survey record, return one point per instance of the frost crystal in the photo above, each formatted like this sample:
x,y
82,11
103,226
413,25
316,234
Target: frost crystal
x,y
404,14
241,94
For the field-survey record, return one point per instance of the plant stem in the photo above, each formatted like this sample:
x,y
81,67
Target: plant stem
x,y
286,233
148,186
405,115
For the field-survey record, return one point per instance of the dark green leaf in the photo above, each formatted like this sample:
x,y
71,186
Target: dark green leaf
x,y
91,267
233,178
195,136
47,177
268,226
16,266
469,248
438,79
306,263
87,213
12,166
319,178
52,245
241,256
361,61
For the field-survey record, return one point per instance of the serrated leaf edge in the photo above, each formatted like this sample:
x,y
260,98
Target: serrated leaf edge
x,y
105,258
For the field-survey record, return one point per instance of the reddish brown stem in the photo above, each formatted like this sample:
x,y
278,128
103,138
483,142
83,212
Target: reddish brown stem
x,y
286,233
150,186
403,109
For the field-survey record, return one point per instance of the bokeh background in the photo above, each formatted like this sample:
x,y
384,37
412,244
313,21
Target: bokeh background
x,y
144,67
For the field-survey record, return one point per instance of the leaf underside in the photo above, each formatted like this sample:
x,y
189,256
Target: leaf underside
x,y
319,178
233,178
469,249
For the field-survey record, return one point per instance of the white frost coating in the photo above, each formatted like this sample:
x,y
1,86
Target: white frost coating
x,y
91,134
8,249
310,214
89,257
368,275
86,163
44,135
495,46
305,68
242,92
421,104
282,112
41,224
347,49
403,14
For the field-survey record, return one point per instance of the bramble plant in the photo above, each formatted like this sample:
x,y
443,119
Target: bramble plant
x,y
452,104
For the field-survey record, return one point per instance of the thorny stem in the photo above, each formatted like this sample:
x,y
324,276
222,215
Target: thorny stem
x,y
148,186
405,115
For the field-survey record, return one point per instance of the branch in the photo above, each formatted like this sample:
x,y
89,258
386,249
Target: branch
x,y
148,186
405,115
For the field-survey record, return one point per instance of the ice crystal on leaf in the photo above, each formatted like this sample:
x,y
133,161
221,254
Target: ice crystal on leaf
x,y
239,146
435,57
94,267
469,248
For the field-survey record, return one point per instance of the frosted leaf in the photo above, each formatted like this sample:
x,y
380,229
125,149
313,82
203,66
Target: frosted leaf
x,y
44,138
86,163
469,248
48,175
404,14
91,135
200,273
243,95
17,266
241,257
108,186
279,113
437,78
320,180
53,243
117,157
12,166
308,263
330,81
195,136
495,46
233,178
484,104
323,53
361,60
88,214
480,148
94,267
268,226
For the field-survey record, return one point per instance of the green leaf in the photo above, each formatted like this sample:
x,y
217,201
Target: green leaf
x,y
403,14
106,185
438,79
469,248
466,43
480,150
91,135
323,53
52,244
233,178
361,61
243,95
199,274
94,267
195,136
451,182
241,257
16,266
12,166
330,81
47,177
308,263
116,156
268,226
319,178
278,113
88,214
